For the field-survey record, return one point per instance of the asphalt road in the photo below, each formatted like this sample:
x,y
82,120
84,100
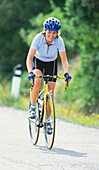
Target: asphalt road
x,y
76,147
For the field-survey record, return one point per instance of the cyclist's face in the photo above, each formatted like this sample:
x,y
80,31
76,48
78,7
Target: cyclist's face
x,y
50,35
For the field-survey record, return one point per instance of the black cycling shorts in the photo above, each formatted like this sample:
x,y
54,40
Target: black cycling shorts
x,y
47,68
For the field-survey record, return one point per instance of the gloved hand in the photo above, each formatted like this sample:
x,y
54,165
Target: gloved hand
x,y
68,78
31,76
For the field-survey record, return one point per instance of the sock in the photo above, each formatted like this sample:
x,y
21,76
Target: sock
x,y
48,118
33,106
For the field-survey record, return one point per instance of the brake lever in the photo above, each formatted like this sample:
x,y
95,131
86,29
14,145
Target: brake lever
x,y
32,84
31,87
65,86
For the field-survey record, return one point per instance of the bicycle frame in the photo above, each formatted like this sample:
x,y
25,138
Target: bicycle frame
x,y
46,90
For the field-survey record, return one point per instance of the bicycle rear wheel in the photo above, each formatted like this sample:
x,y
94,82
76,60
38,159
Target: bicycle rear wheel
x,y
33,128
49,138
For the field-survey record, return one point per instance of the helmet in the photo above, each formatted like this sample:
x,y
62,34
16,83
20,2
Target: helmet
x,y
52,24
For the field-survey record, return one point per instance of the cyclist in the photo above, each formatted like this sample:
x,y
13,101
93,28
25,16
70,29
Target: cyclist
x,y
42,57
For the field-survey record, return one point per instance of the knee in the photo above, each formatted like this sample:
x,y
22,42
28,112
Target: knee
x,y
38,81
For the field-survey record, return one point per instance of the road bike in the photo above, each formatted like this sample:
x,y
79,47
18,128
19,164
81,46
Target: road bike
x,y
44,99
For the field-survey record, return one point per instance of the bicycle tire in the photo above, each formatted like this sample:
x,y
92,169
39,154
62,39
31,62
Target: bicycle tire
x,y
33,128
49,138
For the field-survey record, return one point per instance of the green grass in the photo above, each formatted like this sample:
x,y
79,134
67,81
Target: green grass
x,y
80,118
7,99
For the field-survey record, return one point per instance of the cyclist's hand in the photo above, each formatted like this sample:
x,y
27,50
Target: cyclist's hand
x,y
67,78
31,77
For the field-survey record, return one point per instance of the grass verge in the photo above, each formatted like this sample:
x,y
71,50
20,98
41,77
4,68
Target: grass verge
x,y
79,118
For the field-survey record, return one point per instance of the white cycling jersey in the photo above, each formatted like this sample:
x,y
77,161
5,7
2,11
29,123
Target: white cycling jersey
x,y
44,52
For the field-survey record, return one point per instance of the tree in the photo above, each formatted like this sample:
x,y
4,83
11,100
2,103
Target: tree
x,y
14,15
83,17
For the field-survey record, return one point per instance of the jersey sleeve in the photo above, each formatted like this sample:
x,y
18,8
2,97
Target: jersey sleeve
x,y
35,41
61,44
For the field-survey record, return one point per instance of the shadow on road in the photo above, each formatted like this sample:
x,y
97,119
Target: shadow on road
x,y
68,152
60,151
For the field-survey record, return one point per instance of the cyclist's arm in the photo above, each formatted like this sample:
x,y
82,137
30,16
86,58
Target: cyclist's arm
x,y
64,61
29,60
32,51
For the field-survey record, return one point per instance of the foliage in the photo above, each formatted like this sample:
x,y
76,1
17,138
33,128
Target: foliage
x,y
80,31
15,15
83,17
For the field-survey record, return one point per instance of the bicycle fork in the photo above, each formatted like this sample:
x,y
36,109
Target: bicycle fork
x,y
46,92
45,101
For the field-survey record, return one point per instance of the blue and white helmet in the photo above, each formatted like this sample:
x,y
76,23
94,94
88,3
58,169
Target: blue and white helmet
x,y
52,24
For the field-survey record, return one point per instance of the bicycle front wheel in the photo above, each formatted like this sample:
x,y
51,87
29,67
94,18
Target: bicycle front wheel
x,y
33,127
49,137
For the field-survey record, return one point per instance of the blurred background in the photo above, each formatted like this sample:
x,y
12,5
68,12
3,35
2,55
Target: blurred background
x,y
21,20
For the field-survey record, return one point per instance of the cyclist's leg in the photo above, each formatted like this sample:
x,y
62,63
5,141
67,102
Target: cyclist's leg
x,y
34,93
52,87
37,69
